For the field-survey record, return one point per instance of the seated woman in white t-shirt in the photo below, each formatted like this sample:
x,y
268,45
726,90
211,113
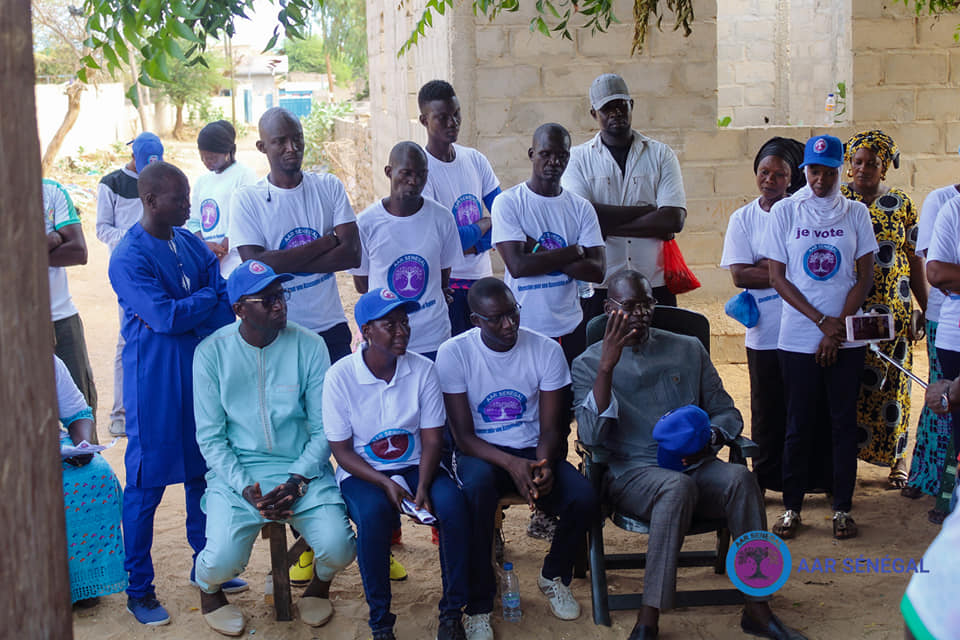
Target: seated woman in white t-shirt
x,y
820,249
383,417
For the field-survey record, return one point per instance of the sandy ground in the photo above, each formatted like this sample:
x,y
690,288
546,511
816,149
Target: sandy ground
x,y
822,605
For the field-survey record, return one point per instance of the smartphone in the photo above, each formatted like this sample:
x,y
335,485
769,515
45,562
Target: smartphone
x,y
870,327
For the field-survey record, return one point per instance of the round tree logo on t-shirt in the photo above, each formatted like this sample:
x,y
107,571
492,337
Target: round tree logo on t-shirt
x,y
298,237
466,210
407,276
503,405
209,214
759,563
550,240
390,445
821,261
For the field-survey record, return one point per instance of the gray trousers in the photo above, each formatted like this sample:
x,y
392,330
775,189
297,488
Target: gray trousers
x,y
71,347
670,500
117,412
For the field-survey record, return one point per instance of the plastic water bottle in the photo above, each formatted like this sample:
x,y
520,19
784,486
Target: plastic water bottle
x,y
829,108
584,289
510,594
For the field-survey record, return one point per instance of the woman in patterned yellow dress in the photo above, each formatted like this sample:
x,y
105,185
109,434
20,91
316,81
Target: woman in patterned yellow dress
x,y
883,411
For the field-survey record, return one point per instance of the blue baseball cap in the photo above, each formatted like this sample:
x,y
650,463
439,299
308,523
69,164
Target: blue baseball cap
x,y
147,148
825,150
250,277
681,433
377,303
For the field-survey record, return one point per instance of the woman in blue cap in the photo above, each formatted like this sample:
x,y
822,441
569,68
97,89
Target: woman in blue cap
x,y
820,249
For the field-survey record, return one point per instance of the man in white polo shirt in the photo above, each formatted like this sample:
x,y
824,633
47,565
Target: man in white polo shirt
x,y
409,243
301,223
503,387
548,238
634,183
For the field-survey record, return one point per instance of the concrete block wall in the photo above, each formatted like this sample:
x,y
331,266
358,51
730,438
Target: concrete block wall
x,y
509,81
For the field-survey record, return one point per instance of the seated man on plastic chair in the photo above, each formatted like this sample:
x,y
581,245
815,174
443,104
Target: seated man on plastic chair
x,y
622,386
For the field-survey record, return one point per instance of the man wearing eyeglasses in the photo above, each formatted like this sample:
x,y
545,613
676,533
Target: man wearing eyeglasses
x,y
258,388
503,386
622,386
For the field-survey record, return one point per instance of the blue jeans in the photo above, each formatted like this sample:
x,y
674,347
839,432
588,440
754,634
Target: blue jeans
x,y
572,500
374,516
459,310
139,507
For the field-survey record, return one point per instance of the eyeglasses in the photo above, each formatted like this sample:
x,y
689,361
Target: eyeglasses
x,y
632,306
513,316
269,302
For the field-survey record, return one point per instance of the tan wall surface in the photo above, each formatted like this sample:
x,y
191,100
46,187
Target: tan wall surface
x,y
521,80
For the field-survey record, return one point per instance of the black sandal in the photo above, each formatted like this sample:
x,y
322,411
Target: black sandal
x,y
844,526
911,492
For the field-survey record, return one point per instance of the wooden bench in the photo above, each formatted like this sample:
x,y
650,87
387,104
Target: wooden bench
x,y
281,559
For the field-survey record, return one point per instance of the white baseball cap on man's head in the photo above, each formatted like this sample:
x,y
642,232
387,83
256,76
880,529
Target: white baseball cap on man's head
x,y
607,87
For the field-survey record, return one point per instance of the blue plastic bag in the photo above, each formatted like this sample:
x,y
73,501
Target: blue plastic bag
x,y
744,309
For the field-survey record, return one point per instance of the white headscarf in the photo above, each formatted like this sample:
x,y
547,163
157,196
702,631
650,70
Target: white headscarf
x,y
830,208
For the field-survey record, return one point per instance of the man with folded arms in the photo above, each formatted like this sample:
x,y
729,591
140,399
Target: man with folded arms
x,y
622,386
258,387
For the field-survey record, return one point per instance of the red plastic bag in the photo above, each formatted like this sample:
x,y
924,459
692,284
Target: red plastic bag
x,y
677,275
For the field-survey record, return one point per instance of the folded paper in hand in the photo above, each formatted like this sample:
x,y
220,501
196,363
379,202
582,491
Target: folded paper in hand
x,y
408,507
84,448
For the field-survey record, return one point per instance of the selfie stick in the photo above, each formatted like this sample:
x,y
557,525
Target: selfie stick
x,y
876,349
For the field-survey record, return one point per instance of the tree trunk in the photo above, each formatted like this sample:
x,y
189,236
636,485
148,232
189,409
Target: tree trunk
x,y
74,93
178,125
329,78
141,94
36,585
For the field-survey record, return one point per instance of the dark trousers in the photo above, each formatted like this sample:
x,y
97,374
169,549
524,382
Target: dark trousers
x,y
459,310
572,500
806,382
768,416
71,347
139,507
664,296
337,338
374,514
950,364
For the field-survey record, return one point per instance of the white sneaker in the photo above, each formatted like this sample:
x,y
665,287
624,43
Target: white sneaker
x,y
118,428
477,627
562,602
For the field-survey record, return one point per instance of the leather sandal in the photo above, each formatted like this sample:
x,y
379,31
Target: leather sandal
x,y
227,620
911,492
844,526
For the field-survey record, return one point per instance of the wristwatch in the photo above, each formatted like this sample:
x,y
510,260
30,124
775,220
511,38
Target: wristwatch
x,y
300,484
581,252
945,401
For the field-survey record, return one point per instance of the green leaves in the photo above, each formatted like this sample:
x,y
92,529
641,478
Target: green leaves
x,y
169,33
553,16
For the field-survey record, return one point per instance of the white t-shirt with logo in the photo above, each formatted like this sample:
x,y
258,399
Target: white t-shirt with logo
x,y
382,418
945,247
210,208
741,245
928,218
821,259
550,303
503,389
58,212
264,215
460,186
406,255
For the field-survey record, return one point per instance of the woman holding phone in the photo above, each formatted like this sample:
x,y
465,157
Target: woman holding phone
x,y
820,249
